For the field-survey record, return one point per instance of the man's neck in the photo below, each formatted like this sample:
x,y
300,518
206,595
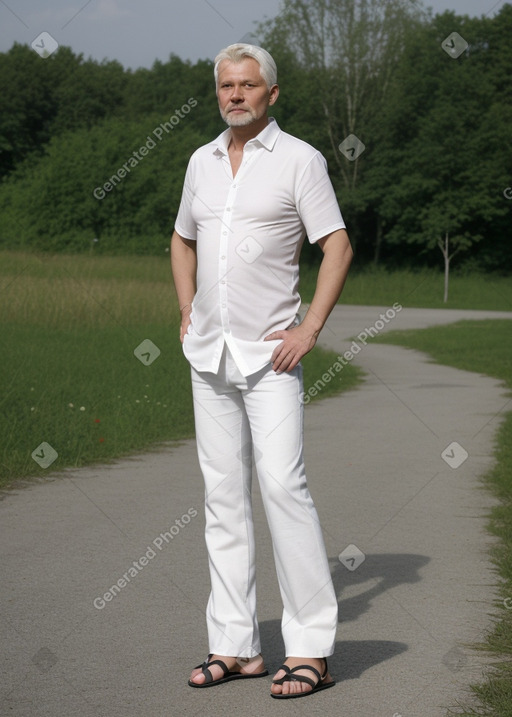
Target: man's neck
x,y
241,135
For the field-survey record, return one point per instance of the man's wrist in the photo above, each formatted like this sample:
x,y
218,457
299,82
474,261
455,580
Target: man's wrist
x,y
312,325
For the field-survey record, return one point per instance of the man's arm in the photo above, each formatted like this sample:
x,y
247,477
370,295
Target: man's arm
x,y
184,267
296,342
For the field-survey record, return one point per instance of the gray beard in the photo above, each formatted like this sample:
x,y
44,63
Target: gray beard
x,y
238,121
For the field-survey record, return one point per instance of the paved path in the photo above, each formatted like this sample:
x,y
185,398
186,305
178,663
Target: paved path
x,y
380,483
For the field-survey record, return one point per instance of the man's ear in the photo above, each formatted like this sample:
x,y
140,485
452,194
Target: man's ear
x,y
273,94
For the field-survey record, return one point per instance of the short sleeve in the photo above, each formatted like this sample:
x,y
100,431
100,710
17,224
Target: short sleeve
x,y
185,225
316,201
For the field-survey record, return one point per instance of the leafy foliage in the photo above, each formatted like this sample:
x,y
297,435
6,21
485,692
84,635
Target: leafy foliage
x,y
449,167
437,160
70,207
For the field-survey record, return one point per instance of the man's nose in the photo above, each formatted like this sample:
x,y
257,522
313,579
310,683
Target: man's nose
x,y
237,95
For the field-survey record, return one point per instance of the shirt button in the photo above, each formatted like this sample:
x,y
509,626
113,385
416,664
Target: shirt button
x,y
223,256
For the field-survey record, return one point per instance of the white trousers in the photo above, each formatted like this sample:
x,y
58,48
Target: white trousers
x,y
260,415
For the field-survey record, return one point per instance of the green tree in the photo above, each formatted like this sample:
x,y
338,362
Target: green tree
x,y
348,51
28,104
43,97
97,184
167,86
87,93
445,145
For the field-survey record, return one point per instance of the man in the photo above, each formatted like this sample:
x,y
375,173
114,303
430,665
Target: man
x,y
249,199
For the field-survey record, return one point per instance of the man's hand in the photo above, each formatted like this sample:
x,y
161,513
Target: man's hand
x,y
296,343
185,322
184,267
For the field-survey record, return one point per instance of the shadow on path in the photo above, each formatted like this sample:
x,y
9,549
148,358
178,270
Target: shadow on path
x,y
384,571
353,657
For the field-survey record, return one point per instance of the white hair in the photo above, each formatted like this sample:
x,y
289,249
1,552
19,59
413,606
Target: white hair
x,y
239,51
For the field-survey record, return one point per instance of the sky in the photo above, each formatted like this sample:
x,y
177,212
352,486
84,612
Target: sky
x,y
137,33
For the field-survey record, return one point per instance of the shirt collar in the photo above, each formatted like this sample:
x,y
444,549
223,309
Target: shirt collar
x,y
266,138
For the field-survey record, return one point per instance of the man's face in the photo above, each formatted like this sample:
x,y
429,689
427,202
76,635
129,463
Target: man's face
x,y
242,92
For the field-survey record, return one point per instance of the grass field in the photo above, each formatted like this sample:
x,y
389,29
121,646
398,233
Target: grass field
x,y
484,347
72,384
423,289
376,287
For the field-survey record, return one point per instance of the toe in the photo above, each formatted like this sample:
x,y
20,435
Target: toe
x,y
302,687
197,677
296,686
278,689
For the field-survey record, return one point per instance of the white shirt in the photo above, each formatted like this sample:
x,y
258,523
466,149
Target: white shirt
x,y
249,231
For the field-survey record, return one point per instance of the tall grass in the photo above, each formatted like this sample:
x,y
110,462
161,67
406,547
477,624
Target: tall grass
x,y
67,291
422,289
371,286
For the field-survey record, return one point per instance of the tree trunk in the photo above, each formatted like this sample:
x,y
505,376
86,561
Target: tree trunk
x,y
378,242
446,267
445,247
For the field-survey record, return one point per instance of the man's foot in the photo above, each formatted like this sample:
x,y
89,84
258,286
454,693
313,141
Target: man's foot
x,y
288,683
231,668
